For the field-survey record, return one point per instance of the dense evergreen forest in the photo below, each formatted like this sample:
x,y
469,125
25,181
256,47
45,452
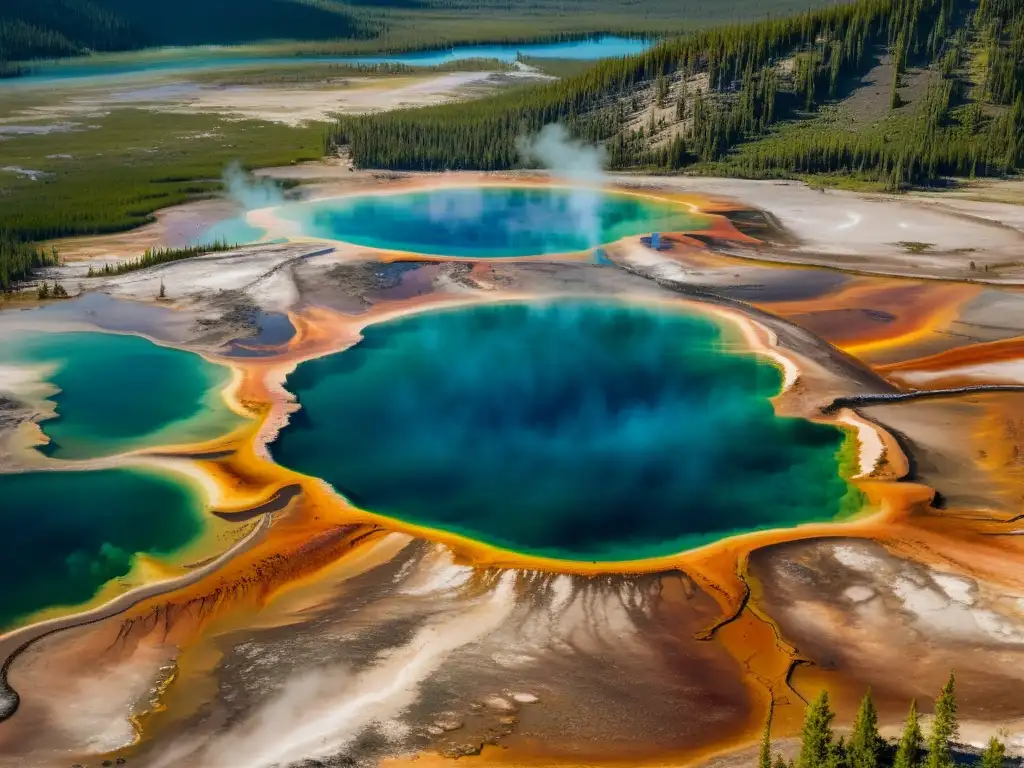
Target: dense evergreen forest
x,y
744,99
53,28
865,748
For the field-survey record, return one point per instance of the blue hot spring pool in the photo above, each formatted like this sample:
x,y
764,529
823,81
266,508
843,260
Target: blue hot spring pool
x,y
117,393
69,533
481,222
583,430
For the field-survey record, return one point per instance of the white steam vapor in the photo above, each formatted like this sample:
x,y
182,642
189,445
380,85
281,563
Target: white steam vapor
x,y
250,191
567,158
577,163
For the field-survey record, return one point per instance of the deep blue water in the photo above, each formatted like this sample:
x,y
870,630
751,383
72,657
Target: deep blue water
x,y
272,330
584,430
68,533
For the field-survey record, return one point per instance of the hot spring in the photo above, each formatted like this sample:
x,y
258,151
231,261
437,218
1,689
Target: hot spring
x,y
116,393
482,222
582,429
69,533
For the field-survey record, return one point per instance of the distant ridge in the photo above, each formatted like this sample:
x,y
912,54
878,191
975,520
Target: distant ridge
x,y
53,28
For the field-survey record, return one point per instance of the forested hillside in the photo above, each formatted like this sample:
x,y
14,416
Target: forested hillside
x,y
52,28
761,99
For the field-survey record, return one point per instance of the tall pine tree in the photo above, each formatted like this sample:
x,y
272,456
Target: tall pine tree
x,y
944,727
865,744
764,755
909,749
994,755
816,746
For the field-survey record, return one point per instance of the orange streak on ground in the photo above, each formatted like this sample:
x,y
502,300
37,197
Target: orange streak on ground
x,y
958,364
917,310
983,352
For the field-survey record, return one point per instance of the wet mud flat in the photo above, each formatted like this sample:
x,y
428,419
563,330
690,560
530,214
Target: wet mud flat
x,y
510,659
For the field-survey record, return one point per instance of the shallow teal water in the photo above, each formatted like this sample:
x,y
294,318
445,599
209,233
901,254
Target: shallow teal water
x,y
205,58
233,231
120,393
580,430
68,533
489,221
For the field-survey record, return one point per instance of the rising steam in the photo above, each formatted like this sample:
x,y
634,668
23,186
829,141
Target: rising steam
x,y
567,158
250,192
577,163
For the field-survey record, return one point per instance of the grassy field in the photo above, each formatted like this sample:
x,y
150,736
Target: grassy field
x,y
115,171
97,174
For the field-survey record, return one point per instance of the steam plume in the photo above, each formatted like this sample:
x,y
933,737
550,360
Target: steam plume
x,y
577,163
567,158
250,191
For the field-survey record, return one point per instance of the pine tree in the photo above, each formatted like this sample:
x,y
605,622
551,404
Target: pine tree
x,y
944,727
994,755
677,152
909,749
661,90
816,742
764,756
865,742
894,94
838,755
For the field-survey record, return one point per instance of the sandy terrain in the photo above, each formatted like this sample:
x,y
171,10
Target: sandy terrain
x,y
983,190
354,96
887,603
880,234
293,103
